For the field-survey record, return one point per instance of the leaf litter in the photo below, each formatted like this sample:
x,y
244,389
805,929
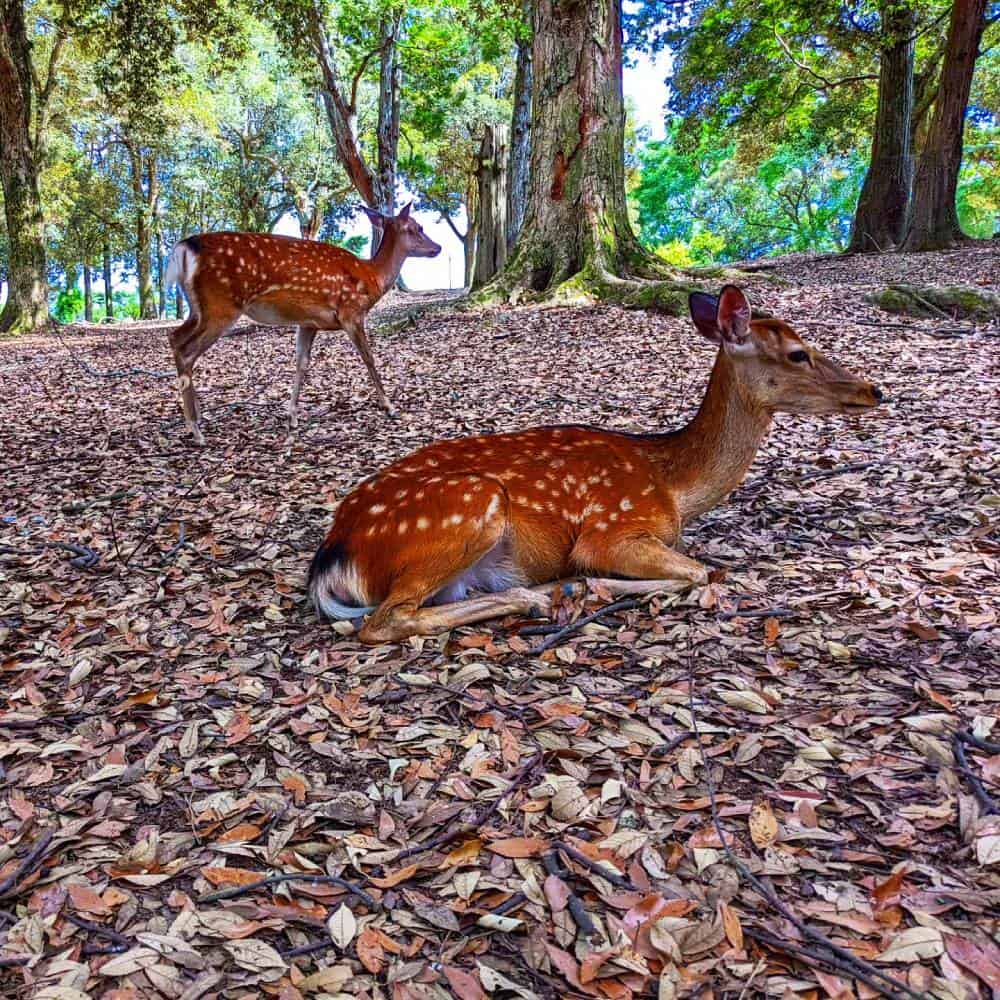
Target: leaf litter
x,y
472,815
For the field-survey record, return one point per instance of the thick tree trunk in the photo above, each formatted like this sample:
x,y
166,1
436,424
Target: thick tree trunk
x,y
491,220
178,304
885,195
109,295
26,309
88,292
933,217
519,162
577,221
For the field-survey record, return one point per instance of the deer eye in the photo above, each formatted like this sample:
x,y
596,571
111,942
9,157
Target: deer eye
x,y
798,357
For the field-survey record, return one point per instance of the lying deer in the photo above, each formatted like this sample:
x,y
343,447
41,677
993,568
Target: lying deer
x,y
502,513
281,281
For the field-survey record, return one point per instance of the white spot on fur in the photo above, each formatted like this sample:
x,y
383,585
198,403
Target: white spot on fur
x,y
625,503
423,524
403,527
377,508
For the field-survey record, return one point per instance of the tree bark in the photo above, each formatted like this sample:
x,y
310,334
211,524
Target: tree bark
x,y
145,198
387,130
491,223
576,222
161,311
881,213
519,162
26,309
88,292
109,302
933,218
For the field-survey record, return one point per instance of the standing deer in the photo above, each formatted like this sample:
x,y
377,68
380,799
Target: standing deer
x,y
281,281
505,512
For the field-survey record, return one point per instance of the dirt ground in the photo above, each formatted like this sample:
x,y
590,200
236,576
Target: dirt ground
x,y
491,820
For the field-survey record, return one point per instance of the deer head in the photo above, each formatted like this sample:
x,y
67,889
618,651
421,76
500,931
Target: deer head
x,y
776,369
404,233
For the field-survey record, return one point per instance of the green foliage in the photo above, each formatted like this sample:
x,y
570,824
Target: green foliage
x,y
68,305
710,202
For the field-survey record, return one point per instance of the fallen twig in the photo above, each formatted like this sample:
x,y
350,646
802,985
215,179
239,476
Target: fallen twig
x,y
967,737
671,745
866,971
619,881
119,942
242,890
32,860
983,797
462,829
561,632
84,558
308,949
583,920
806,954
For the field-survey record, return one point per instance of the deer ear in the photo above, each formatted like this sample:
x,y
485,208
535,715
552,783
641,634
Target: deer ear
x,y
704,310
733,317
404,212
374,217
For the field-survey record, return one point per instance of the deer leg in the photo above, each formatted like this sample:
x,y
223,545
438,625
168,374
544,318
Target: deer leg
x,y
642,557
356,331
304,337
183,341
400,621
189,342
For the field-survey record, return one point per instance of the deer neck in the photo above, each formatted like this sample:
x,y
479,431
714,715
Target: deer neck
x,y
388,262
707,459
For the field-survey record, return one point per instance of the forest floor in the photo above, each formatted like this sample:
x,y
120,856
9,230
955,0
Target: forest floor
x,y
175,722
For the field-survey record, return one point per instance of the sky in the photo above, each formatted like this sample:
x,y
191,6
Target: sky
x,y
644,86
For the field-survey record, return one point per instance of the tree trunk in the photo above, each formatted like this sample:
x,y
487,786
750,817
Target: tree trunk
x,y
519,162
161,289
885,195
88,292
143,229
933,218
27,307
179,303
491,224
109,301
576,222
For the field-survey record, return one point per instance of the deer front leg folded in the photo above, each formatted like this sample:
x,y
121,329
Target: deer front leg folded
x,y
390,624
642,556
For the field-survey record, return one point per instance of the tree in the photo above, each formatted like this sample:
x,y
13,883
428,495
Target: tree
x,y
25,94
933,223
882,206
491,215
576,237
519,155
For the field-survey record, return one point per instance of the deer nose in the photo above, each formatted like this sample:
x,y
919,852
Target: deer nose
x,y
878,394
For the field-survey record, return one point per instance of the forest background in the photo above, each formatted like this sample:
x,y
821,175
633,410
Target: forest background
x,y
145,122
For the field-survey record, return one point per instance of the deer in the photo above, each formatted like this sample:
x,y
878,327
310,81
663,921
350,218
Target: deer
x,y
283,281
507,515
